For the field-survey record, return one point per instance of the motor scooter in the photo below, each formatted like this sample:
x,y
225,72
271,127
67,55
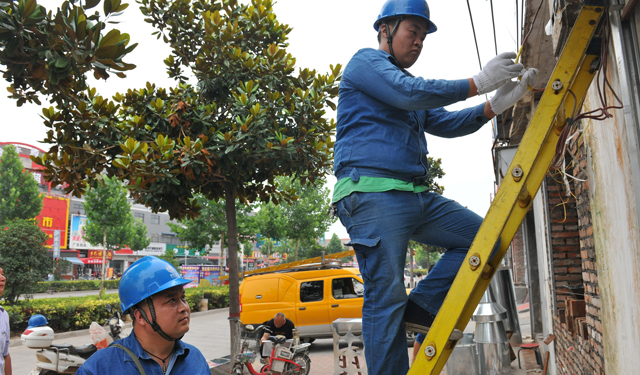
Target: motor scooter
x,y
54,359
288,357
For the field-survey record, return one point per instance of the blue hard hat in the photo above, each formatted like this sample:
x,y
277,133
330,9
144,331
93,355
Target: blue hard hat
x,y
395,8
37,320
146,277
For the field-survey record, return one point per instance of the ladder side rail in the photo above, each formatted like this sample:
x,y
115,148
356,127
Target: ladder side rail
x,y
514,197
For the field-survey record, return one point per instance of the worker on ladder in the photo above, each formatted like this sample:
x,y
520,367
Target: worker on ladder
x,y
381,166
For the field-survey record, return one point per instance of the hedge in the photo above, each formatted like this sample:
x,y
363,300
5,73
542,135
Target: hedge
x,y
75,313
73,285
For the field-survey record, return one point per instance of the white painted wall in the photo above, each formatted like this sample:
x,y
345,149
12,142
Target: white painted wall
x,y
616,234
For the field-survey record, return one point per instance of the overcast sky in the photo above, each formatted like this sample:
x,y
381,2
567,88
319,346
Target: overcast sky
x,y
330,32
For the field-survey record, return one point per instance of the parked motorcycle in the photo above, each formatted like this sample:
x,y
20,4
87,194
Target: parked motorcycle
x,y
54,359
288,357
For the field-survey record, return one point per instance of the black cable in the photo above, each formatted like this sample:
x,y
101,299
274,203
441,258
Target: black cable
x,y
517,28
495,42
521,30
474,35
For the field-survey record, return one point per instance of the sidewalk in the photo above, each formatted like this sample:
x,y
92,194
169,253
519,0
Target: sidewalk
x,y
323,364
210,334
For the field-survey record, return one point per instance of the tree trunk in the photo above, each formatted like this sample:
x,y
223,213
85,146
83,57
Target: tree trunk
x,y
297,242
222,250
104,259
234,282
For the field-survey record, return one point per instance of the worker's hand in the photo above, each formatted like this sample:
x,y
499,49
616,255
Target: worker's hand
x,y
497,72
512,91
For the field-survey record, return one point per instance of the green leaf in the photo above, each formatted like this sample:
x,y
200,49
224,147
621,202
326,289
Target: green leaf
x,y
107,7
61,62
91,3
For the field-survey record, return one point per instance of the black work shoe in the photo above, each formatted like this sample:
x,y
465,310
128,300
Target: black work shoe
x,y
417,319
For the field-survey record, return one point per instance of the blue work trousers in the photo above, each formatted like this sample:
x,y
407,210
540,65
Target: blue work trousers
x,y
380,226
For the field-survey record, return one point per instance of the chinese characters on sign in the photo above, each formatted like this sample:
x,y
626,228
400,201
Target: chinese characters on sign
x,y
98,254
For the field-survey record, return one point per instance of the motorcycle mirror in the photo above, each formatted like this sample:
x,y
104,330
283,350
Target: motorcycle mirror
x,y
108,307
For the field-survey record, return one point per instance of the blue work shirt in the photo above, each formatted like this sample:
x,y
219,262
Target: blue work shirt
x,y
383,113
186,359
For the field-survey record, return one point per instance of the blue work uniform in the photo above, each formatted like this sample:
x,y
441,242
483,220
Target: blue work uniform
x,y
186,359
383,113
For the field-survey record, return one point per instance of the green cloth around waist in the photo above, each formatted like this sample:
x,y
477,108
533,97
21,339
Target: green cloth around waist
x,y
345,186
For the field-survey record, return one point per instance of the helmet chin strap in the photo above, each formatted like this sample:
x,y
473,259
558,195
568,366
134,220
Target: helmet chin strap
x,y
391,33
153,322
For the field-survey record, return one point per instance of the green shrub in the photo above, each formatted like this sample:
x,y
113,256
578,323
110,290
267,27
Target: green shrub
x,y
75,313
75,285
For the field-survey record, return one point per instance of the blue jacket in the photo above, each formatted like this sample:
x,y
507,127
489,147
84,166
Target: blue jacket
x,y
383,113
187,359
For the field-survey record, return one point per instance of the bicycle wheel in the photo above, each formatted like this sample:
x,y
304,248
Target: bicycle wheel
x,y
238,369
303,361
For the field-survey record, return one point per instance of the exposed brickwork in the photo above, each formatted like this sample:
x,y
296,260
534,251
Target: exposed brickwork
x,y
567,263
577,326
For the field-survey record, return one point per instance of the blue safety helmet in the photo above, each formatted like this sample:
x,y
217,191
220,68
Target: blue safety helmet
x,y
146,277
400,8
37,321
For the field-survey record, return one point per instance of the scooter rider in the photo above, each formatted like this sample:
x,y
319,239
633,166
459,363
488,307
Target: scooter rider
x,y
152,292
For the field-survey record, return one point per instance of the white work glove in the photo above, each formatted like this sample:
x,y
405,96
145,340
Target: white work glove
x,y
509,94
498,70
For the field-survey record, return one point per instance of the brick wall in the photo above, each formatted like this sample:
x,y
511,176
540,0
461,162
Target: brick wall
x,y
577,325
567,262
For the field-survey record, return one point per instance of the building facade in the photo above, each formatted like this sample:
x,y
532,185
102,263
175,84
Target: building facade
x,y
578,249
66,214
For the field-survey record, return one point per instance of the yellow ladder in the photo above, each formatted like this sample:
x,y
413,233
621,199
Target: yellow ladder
x,y
524,177
300,263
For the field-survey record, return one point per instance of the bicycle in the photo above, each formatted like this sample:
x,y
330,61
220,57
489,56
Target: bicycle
x,y
288,357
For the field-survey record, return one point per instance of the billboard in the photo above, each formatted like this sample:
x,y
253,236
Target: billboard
x,y
198,273
191,273
154,248
182,250
77,241
54,216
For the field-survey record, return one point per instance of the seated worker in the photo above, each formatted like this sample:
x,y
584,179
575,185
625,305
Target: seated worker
x,y
152,292
417,344
279,325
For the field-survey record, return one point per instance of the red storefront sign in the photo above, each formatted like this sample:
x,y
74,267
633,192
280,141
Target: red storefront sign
x,y
91,260
97,254
54,216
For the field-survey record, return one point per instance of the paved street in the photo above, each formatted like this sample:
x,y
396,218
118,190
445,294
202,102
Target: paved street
x,y
210,333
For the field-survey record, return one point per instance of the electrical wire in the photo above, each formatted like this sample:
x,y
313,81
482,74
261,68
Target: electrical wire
x,y
572,128
519,31
495,41
474,35
517,28
529,32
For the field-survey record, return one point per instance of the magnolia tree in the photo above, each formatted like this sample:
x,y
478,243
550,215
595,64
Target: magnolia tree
x,y
252,116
